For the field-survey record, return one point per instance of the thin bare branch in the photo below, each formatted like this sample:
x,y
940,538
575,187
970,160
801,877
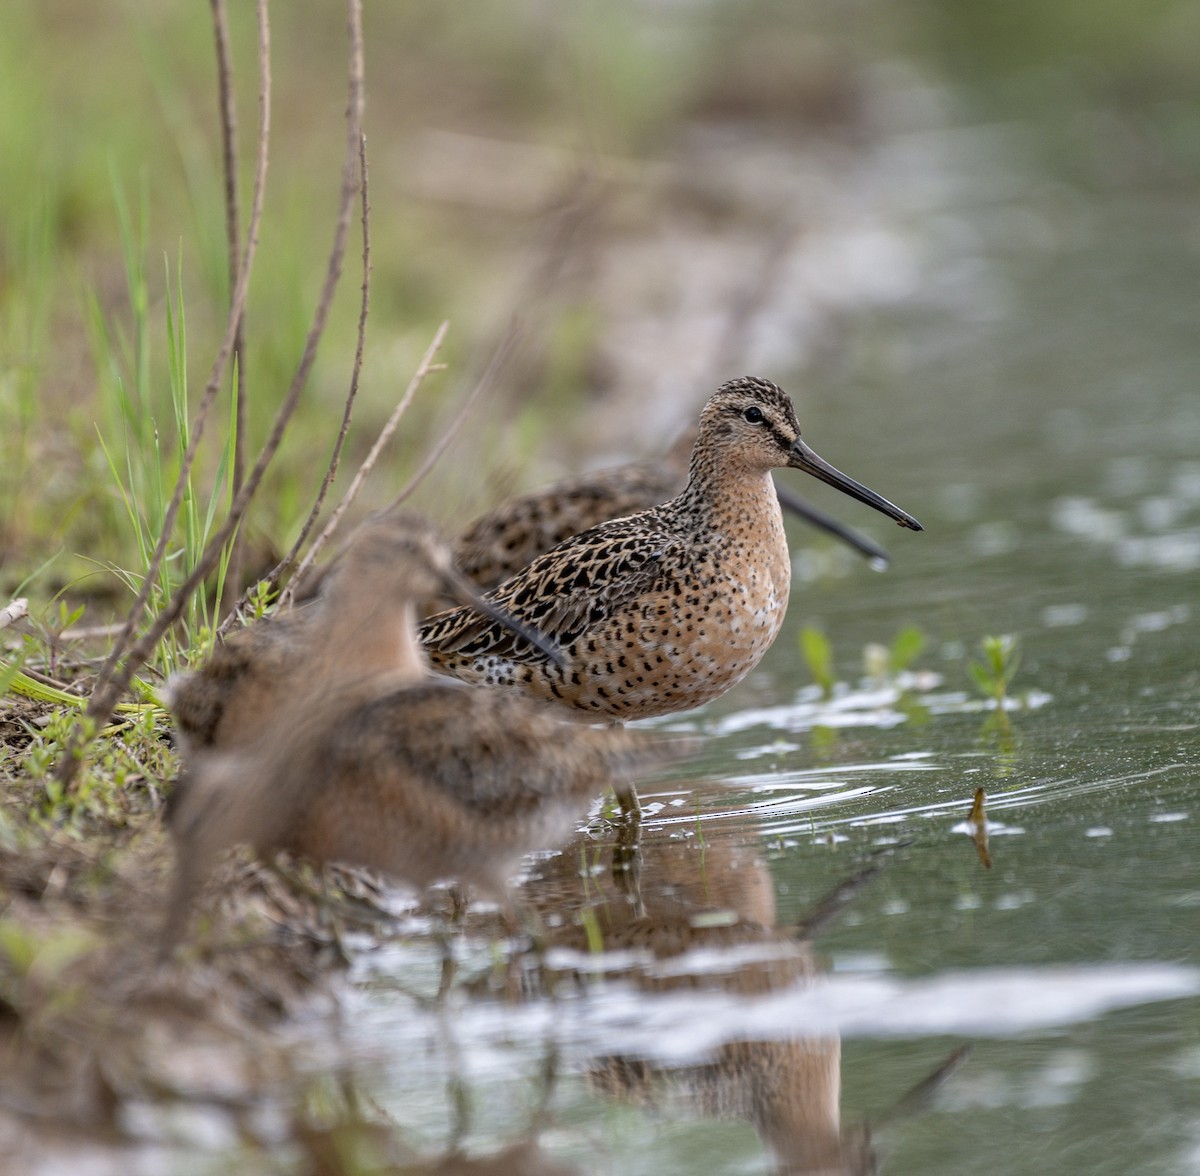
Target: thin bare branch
x,y
289,560
105,697
385,435
237,306
227,101
89,633
490,375
337,254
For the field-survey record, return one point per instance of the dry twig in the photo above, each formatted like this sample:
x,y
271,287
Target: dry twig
x,y
281,569
227,100
14,611
385,435
490,375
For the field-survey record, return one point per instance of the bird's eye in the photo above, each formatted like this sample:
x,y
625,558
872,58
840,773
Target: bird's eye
x,y
753,415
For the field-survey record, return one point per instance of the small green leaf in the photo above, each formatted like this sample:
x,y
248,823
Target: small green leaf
x,y
906,647
983,678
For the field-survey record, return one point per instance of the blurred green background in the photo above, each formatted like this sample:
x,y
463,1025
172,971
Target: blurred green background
x,y
524,159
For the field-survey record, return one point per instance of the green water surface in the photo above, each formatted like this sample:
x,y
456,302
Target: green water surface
x,y
1035,404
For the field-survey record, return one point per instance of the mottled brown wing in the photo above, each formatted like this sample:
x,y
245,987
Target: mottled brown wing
x,y
503,541
564,593
480,749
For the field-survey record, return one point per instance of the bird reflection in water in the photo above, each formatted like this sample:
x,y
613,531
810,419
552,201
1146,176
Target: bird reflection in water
x,y
714,894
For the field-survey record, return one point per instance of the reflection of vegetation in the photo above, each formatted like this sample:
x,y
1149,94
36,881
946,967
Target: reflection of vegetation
x,y
912,708
890,663
883,665
818,656
823,742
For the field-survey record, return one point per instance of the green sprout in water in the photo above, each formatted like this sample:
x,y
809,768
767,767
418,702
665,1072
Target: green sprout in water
x,y
992,676
884,663
996,671
906,648
818,655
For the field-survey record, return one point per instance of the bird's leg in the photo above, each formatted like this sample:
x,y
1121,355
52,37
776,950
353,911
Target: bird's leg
x,y
627,857
528,940
329,920
188,872
627,868
449,967
627,850
626,792
458,904
628,803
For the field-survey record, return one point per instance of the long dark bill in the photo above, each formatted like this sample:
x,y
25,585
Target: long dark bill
x,y
461,588
804,458
800,507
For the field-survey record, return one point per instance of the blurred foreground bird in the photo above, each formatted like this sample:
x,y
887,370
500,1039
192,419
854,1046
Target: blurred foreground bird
x,y
665,609
420,779
424,782
362,623
501,542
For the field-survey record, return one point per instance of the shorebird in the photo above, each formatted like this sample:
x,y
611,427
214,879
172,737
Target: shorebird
x,y
423,782
363,623
419,778
501,542
665,609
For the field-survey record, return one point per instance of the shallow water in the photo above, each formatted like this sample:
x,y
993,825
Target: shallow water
x,y
1033,401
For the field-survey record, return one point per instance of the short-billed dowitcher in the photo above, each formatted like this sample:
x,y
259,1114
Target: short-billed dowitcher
x,y
668,608
363,623
423,782
420,778
501,542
